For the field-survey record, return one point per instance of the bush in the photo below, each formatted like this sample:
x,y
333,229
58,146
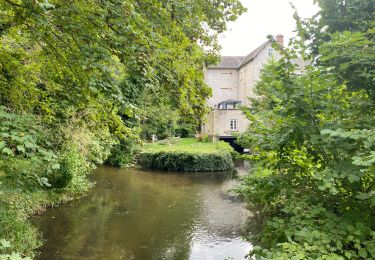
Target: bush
x,y
73,169
95,144
159,120
186,162
38,170
26,155
204,138
68,181
313,140
122,154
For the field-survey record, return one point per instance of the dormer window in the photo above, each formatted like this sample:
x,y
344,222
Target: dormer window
x,y
229,104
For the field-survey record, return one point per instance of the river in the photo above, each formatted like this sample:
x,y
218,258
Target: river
x,y
142,214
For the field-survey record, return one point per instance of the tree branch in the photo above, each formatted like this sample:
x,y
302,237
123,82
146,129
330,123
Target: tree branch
x,y
14,4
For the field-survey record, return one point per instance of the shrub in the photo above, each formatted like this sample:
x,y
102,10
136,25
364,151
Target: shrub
x,y
122,154
185,129
186,162
72,171
95,144
159,120
313,140
204,138
26,155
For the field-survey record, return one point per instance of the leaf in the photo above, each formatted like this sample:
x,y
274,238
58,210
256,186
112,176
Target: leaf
x,y
4,243
7,151
2,145
339,244
30,145
365,196
362,252
21,148
93,89
55,166
353,177
44,181
46,5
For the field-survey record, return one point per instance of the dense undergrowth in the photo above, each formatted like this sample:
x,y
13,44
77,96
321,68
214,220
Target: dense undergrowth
x,y
39,170
186,155
313,138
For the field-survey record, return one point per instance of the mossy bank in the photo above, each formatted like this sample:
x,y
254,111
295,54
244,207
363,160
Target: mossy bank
x,y
186,155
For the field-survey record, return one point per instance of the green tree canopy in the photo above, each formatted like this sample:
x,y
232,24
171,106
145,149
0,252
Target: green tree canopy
x,y
313,138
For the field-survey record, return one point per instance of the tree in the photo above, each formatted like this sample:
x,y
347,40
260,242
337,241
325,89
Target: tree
x,y
74,77
313,139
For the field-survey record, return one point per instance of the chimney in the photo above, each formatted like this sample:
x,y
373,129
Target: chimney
x,y
280,40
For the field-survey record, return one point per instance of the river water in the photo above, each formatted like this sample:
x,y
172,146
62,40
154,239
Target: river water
x,y
140,214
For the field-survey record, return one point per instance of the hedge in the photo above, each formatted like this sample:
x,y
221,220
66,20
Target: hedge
x,y
186,162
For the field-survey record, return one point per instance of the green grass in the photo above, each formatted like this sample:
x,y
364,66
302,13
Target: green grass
x,y
187,145
186,155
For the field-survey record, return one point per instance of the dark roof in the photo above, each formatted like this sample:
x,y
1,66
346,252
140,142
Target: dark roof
x,y
230,101
235,62
253,54
228,62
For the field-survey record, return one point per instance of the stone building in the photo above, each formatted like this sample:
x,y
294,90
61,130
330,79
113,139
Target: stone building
x,y
232,82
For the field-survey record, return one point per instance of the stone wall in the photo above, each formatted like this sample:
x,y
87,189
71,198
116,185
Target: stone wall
x,y
224,84
218,122
235,84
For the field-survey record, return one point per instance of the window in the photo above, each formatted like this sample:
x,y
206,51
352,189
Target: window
x,y
270,52
233,125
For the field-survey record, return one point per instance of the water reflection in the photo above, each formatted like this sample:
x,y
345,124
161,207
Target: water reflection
x,y
136,214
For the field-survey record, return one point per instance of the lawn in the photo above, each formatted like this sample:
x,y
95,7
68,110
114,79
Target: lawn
x,y
187,145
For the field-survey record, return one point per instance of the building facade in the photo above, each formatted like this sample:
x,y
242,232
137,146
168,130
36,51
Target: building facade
x,y
232,82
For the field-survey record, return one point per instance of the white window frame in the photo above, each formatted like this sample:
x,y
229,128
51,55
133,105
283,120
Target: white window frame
x,y
270,52
233,125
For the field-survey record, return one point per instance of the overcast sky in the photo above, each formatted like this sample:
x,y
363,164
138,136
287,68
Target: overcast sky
x,y
263,17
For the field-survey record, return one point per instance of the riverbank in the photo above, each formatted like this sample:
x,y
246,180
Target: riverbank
x,y
186,155
23,194
16,207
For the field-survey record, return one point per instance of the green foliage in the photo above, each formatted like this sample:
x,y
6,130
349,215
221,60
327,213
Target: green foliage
x,y
72,171
351,15
16,207
53,57
343,38
186,154
160,120
204,138
186,129
26,156
312,135
185,161
122,154
76,80
6,246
